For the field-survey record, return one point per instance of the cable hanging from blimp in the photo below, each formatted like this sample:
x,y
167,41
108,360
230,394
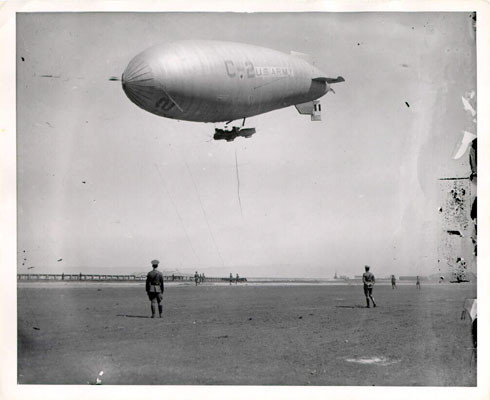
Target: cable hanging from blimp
x,y
215,81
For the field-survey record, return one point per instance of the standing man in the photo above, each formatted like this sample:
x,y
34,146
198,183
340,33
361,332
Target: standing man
x,y
236,283
417,284
154,288
196,278
393,282
231,278
368,281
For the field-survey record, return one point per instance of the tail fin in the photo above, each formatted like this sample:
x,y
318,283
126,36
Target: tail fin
x,y
312,108
329,80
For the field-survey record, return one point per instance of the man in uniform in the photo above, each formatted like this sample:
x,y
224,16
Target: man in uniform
x,y
393,282
368,281
154,288
196,278
417,284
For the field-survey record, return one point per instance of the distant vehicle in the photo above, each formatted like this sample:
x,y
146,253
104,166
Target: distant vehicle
x,y
214,81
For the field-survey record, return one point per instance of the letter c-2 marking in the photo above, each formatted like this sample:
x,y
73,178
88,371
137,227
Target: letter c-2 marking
x,y
164,104
230,68
250,69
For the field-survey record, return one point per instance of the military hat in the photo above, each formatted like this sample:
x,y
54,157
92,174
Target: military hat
x,y
155,262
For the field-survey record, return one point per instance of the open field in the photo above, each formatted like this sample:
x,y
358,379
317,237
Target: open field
x,y
244,334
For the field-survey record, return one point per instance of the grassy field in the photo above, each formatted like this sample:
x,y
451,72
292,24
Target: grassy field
x,y
246,335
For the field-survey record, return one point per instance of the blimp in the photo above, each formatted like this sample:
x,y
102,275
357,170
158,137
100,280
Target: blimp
x,y
222,82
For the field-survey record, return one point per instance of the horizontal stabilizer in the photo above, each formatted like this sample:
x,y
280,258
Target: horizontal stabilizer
x,y
312,108
305,108
329,80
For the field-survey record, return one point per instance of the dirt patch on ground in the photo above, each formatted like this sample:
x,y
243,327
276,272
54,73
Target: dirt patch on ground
x,y
247,335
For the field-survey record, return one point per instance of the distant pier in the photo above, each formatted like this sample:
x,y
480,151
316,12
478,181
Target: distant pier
x,y
114,278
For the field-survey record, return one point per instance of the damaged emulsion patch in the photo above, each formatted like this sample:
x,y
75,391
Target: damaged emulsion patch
x,y
381,361
458,197
455,210
456,226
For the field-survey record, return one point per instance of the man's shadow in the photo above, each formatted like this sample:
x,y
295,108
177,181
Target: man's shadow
x,y
356,306
132,316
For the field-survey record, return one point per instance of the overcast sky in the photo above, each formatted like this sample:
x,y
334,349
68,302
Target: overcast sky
x,y
360,187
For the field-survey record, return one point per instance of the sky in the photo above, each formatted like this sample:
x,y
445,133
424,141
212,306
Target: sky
x,y
103,185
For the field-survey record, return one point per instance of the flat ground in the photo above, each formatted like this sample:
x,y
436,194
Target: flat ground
x,y
68,333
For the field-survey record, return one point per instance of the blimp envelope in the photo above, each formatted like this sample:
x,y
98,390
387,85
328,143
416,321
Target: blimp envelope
x,y
470,308
219,81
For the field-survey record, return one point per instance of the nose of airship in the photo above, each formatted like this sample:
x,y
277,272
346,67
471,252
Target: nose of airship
x,y
138,83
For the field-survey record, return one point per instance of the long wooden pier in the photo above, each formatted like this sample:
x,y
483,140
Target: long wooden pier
x,y
114,278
